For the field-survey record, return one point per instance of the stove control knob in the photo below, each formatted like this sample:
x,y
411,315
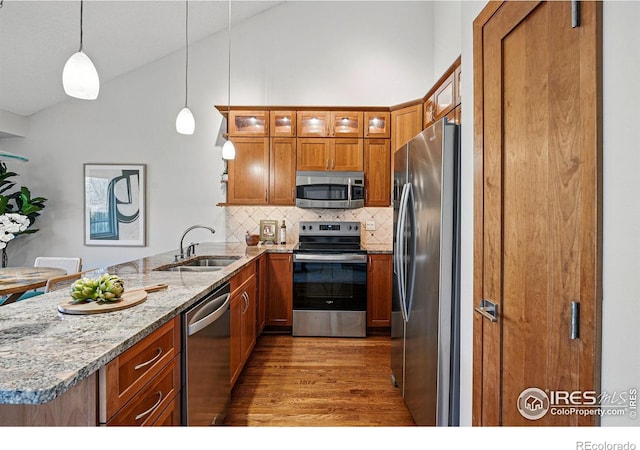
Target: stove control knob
x,y
350,227
356,228
310,227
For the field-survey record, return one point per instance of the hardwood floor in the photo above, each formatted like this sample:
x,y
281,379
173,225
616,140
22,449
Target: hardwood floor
x,y
299,381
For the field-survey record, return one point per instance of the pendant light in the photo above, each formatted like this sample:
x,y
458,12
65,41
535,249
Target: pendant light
x,y
228,149
185,122
79,76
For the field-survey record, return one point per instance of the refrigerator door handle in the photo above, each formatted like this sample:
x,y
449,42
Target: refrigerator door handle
x,y
411,270
399,251
402,283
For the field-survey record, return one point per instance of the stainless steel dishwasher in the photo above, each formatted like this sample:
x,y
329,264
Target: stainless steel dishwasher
x,y
206,387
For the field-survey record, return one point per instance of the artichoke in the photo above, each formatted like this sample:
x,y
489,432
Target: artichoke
x,y
107,288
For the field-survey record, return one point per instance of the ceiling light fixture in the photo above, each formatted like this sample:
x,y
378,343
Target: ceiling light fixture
x,y
79,76
228,149
185,122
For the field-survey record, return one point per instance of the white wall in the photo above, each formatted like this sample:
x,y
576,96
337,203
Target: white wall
x,y
447,32
621,265
299,53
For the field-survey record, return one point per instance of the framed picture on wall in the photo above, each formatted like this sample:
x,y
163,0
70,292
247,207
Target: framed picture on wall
x,y
268,230
114,204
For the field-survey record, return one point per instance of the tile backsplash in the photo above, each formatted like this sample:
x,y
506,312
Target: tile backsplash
x,y
240,219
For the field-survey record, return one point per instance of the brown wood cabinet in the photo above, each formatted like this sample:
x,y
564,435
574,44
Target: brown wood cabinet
x,y
249,172
406,122
313,123
321,154
263,287
137,387
243,308
346,124
279,299
379,279
282,171
330,124
377,172
283,123
248,123
445,96
377,124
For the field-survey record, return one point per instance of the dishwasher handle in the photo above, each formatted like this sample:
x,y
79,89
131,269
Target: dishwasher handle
x,y
208,313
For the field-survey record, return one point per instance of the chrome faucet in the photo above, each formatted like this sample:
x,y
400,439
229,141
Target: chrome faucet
x,y
192,247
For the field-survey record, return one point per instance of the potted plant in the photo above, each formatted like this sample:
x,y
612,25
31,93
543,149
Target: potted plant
x,y
18,211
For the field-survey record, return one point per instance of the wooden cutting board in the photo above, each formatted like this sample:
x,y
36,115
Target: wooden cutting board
x,y
127,300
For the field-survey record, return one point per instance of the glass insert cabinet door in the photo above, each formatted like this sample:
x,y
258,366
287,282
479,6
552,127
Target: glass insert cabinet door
x,y
346,124
313,123
248,123
377,124
283,123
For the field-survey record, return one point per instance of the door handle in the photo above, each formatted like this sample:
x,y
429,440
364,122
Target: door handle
x,y
488,309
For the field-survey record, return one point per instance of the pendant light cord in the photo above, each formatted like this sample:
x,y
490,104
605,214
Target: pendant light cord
x,y
229,73
186,65
81,10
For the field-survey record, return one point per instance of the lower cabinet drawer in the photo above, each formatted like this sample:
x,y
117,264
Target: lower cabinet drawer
x,y
148,406
121,379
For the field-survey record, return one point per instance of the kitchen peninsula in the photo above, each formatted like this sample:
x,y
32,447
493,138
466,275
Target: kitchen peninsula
x,y
50,362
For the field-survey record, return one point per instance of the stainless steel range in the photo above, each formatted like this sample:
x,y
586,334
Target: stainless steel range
x,y
329,280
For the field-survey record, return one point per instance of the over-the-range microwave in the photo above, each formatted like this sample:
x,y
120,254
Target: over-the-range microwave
x,y
329,189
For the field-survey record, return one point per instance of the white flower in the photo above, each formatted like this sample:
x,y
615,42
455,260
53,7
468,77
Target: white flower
x,y
10,225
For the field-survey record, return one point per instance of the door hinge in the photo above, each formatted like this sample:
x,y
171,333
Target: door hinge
x,y
575,13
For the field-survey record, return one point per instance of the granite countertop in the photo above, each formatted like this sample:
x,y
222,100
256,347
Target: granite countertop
x,y
43,352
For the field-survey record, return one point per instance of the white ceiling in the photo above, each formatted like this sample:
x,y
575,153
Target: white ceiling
x,y
37,37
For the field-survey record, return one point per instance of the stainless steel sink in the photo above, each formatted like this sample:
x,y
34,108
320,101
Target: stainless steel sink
x,y
209,261
200,264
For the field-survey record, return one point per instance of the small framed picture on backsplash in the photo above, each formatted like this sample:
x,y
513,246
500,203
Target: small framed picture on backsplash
x,y
268,231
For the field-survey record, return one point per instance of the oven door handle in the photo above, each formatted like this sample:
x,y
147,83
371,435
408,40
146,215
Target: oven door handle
x,y
339,257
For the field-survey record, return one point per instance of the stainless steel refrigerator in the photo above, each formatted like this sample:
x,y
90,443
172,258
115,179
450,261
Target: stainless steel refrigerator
x,y
425,313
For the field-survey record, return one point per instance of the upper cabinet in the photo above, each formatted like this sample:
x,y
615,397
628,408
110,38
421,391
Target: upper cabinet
x,y
313,123
443,97
248,123
406,123
330,123
346,124
283,123
377,124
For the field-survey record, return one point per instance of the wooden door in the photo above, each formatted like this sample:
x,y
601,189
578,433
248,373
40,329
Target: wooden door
x,y
377,124
283,123
379,281
346,124
249,123
249,171
314,153
236,307
377,172
248,318
538,200
280,293
282,171
347,155
405,124
313,123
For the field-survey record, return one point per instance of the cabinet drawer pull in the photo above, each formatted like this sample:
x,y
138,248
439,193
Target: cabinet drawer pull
x,y
151,361
150,410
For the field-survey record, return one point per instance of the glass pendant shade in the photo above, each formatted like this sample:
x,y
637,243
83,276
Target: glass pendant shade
x,y
228,150
80,77
185,122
